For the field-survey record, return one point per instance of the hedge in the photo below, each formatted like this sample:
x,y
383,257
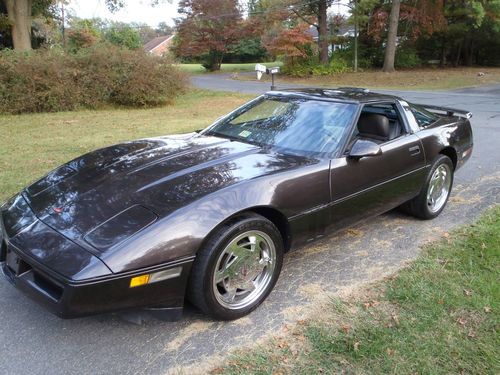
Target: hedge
x,y
53,80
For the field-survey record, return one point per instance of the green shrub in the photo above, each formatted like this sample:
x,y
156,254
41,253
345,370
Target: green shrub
x,y
407,57
312,67
123,35
51,80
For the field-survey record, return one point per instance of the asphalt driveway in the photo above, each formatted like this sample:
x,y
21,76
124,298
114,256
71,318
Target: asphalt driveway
x,y
34,342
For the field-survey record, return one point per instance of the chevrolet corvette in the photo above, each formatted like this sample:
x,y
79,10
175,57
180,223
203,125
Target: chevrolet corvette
x,y
208,216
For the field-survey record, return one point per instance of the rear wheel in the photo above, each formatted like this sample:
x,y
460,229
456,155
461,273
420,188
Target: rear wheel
x,y
237,268
433,197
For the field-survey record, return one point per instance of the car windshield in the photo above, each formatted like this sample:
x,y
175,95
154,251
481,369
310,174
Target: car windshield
x,y
294,125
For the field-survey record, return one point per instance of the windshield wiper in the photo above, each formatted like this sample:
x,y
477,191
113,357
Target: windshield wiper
x,y
234,138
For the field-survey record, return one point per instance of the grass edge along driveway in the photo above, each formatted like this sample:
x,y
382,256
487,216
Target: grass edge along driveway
x,y
440,315
411,79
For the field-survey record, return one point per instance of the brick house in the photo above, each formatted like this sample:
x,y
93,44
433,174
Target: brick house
x,y
159,46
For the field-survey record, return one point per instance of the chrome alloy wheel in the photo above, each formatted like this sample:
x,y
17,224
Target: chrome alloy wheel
x,y
439,188
244,269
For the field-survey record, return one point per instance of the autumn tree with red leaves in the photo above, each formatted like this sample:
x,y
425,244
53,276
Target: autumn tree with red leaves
x,y
292,43
208,28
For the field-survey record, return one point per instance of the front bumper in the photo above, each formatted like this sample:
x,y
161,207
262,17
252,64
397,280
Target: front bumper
x,y
68,299
45,279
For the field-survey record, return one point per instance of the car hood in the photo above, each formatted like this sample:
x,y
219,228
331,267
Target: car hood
x,y
161,174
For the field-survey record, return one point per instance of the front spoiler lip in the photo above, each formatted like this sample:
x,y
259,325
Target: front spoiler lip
x,y
104,294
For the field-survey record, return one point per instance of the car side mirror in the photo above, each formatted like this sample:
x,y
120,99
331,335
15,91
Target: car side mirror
x,y
363,148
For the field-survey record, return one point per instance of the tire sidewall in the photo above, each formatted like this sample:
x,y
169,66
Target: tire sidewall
x,y
442,159
251,223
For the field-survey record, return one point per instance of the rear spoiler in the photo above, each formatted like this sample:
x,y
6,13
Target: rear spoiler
x,y
448,111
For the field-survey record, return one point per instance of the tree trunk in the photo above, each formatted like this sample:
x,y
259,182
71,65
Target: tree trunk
x,y
459,52
442,59
390,48
469,50
214,61
322,33
19,12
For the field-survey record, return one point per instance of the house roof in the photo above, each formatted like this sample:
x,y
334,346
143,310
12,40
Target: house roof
x,y
344,30
153,43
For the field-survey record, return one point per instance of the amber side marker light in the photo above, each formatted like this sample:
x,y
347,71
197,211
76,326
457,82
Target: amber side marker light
x,y
155,277
139,280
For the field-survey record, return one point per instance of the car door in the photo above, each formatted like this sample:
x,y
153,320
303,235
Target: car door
x,y
375,184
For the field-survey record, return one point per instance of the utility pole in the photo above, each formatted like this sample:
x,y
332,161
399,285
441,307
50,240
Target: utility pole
x,y
354,10
355,36
63,28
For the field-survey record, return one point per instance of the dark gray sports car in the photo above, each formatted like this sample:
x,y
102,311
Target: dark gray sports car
x,y
209,215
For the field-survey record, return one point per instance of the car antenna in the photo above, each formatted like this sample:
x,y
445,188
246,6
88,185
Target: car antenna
x,y
261,69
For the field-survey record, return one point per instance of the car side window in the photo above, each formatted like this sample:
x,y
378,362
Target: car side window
x,y
369,121
424,118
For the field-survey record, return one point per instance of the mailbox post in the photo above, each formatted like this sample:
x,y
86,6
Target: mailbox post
x,y
261,69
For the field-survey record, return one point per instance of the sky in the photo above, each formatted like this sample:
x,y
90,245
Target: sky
x,y
135,11
141,11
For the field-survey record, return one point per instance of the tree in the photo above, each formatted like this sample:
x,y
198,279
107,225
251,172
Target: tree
x,y
123,35
390,48
164,29
292,43
311,11
464,18
83,33
246,50
20,13
209,28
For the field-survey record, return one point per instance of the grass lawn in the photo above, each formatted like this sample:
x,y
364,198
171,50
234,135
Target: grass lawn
x,y
226,68
440,315
417,79
31,145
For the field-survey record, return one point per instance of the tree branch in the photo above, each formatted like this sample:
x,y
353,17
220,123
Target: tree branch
x,y
303,18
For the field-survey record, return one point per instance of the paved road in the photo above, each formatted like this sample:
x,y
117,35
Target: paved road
x,y
34,342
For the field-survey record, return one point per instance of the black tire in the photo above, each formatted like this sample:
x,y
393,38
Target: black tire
x,y
201,291
419,206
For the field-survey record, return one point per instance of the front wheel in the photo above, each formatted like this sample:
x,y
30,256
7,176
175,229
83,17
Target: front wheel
x,y
433,197
237,268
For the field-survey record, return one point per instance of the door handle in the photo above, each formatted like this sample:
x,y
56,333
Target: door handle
x,y
414,150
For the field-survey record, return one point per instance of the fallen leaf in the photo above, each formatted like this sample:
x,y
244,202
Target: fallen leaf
x,y
282,344
356,346
346,328
487,309
471,334
446,234
483,246
461,321
395,317
440,301
354,232
468,292
369,304
390,351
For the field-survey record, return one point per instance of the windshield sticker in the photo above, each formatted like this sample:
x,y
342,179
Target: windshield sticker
x,y
245,133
